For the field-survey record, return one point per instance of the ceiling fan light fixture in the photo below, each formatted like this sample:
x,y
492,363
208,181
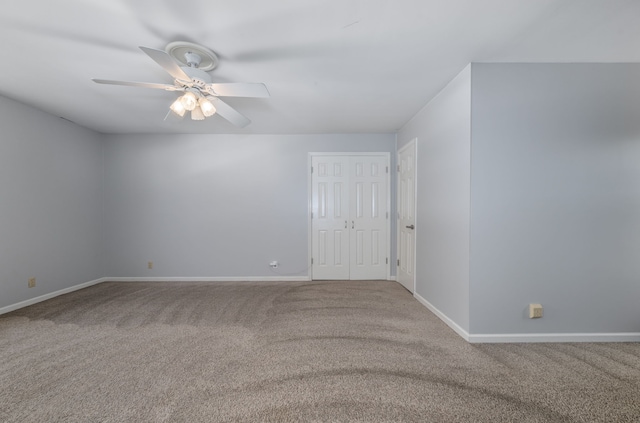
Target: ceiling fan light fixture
x,y
189,101
196,114
208,109
199,94
177,107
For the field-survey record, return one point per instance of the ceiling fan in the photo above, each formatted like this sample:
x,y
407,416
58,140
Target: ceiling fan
x,y
188,64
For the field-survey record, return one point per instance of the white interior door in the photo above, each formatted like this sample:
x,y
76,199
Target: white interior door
x,y
349,208
330,217
368,240
407,215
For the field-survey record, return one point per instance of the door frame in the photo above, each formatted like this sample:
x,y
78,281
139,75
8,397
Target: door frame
x,y
310,156
413,143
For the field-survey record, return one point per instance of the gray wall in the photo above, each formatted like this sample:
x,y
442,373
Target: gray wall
x,y
50,203
443,198
77,206
214,205
555,214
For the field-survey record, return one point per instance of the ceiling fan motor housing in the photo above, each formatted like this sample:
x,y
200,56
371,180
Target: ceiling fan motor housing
x,y
199,77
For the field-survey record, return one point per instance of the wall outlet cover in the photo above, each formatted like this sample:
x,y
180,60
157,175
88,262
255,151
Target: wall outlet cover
x,y
535,311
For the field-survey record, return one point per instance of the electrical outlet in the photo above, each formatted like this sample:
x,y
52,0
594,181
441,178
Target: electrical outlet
x,y
150,265
535,311
32,282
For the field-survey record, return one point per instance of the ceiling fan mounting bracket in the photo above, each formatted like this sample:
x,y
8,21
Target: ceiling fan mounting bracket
x,y
192,55
193,59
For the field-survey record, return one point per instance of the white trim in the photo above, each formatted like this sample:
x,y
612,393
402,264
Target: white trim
x,y
26,303
453,325
211,279
529,337
309,218
555,337
479,338
389,213
50,295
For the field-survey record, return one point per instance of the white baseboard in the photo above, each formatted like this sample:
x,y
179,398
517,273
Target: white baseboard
x,y
529,337
472,338
45,297
212,279
50,295
553,337
453,325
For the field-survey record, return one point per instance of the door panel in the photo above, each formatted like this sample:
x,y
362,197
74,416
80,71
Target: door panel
x,y
406,216
330,202
369,178
321,255
376,252
338,248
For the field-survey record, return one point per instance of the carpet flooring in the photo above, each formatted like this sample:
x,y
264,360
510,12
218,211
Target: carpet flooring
x,y
347,351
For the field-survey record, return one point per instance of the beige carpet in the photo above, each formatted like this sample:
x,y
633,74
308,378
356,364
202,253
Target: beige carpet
x,y
280,352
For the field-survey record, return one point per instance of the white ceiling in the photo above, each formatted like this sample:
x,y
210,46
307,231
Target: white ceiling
x,y
332,66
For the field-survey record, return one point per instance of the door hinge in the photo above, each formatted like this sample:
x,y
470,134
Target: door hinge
x,y
387,215
387,169
311,169
387,260
398,262
311,260
398,168
312,215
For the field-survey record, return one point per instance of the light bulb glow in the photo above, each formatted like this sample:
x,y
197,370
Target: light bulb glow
x,y
196,114
208,109
189,101
177,107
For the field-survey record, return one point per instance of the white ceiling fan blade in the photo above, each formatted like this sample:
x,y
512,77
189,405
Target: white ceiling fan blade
x,y
166,87
240,89
167,63
229,113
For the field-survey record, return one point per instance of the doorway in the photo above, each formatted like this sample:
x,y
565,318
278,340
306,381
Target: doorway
x,y
350,216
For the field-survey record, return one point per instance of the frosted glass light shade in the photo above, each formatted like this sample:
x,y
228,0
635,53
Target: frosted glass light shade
x,y
177,107
208,109
189,101
196,114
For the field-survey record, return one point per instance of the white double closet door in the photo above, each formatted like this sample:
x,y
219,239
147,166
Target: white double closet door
x,y
350,219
